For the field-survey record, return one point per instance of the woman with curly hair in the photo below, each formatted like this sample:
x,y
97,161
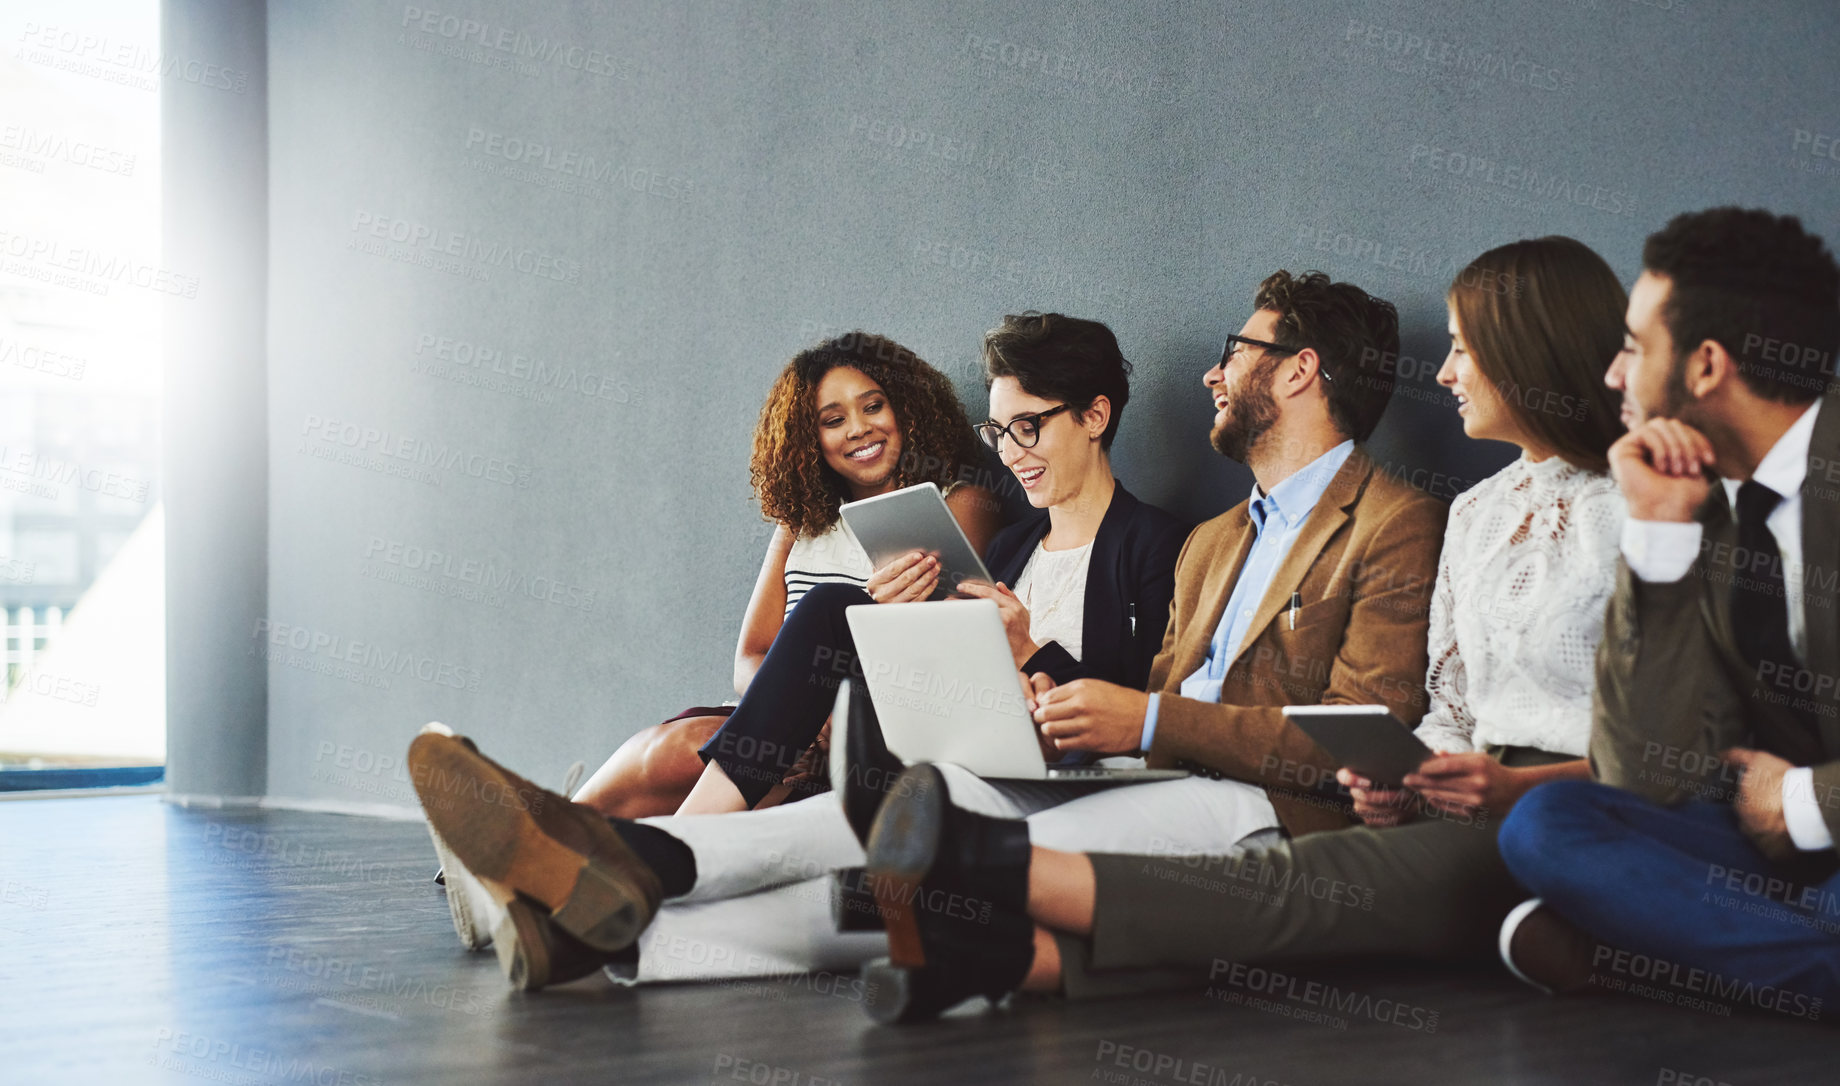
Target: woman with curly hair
x,y
852,417
1083,586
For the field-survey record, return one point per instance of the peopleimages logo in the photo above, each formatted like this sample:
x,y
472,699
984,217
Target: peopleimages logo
x,y
447,357
512,46
337,649
485,575
1511,177
576,164
130,64
419,236
51,146
89,270
371,440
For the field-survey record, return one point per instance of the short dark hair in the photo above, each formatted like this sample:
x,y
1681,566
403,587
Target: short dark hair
x,y
1057,357
1760,286
1351,330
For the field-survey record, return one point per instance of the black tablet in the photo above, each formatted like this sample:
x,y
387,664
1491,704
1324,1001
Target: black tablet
x,y
1368,739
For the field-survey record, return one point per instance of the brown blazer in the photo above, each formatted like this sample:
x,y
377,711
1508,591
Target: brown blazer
x,y
1672,688
1365,563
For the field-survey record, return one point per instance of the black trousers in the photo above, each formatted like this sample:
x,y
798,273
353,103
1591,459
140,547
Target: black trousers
x,y
792,693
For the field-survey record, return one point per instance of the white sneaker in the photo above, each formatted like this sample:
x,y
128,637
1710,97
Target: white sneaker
x,y
476,913
1544,950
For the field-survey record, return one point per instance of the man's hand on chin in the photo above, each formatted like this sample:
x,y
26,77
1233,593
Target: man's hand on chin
x,y
1088,714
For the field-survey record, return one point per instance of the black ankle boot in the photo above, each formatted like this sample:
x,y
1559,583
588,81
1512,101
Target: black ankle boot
x,y
952,890
862,769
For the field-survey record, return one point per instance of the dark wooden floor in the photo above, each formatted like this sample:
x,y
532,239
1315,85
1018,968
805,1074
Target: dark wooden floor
x,y
144,943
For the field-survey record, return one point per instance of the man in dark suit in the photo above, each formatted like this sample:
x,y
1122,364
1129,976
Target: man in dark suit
x,y
1703,853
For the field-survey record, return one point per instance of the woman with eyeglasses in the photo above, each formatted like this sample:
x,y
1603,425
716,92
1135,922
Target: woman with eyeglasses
x,y
1083,585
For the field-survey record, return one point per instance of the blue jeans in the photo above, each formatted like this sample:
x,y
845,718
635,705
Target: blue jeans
x,y
1685,888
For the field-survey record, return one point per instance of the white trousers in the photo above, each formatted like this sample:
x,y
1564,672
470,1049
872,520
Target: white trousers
x,y
761,903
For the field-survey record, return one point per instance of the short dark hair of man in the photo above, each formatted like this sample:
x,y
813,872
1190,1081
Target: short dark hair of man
x,y
1350,330
1760,286
1057,357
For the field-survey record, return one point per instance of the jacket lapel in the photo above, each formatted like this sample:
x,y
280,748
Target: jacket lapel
x,y
1106,578
1821,557
1224,566
1330,514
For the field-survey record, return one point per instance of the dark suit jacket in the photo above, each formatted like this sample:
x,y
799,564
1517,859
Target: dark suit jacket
x,y
1132,572
1365,565
1672,688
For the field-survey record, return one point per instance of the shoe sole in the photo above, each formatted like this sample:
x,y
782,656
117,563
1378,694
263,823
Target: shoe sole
x,y
903,845
506,844
523,956
888,993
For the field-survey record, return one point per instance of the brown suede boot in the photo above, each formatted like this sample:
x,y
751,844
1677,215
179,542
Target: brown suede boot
x,y
506,830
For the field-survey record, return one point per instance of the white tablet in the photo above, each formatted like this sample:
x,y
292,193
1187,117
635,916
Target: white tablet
x,y
915,518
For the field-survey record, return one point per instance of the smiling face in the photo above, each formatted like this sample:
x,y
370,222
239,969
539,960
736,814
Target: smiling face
x,y
1479,403
1053,470
1244,408
1644,371
857,430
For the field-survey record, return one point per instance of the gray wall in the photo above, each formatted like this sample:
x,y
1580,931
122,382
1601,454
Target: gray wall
x,y
214,165
758,175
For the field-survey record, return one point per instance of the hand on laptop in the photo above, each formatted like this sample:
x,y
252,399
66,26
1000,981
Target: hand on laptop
x,y
1033,686
1088,714
907,579
1015,617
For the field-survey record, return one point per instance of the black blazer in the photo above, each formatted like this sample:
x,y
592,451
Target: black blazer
x,y
1132,574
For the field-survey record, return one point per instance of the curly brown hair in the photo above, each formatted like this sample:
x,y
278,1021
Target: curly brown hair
x,y
791,479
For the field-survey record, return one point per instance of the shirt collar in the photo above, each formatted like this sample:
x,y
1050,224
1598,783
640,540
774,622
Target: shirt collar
x,y
1293,498
1783,468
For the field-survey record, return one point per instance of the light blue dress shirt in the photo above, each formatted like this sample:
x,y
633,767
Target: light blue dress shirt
x,y
1277,518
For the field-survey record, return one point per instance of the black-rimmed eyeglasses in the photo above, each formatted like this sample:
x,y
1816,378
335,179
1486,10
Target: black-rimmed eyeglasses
x,y
1226,353
1024,430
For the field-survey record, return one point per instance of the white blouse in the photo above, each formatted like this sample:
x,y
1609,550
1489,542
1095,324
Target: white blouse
x,y
1528,567
1053,587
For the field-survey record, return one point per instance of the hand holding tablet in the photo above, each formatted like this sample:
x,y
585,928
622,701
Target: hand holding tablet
x,y
915,518
1367,739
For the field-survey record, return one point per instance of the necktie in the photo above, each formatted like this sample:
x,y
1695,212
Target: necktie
x,y
1759,602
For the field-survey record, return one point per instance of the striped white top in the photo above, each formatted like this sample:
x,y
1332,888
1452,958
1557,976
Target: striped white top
x,y
831,557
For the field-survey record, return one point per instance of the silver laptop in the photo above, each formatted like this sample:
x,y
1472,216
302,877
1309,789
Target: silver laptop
x,y
945,689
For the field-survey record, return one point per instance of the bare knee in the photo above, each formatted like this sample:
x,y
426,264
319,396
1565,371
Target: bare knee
x,y
654,770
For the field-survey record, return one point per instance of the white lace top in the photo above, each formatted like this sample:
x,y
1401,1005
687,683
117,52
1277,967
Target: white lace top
x,y
1528,567
1053,587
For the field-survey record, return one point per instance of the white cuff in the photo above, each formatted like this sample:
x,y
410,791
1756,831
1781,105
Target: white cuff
x,y
1802,811
1660,551
1150,723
